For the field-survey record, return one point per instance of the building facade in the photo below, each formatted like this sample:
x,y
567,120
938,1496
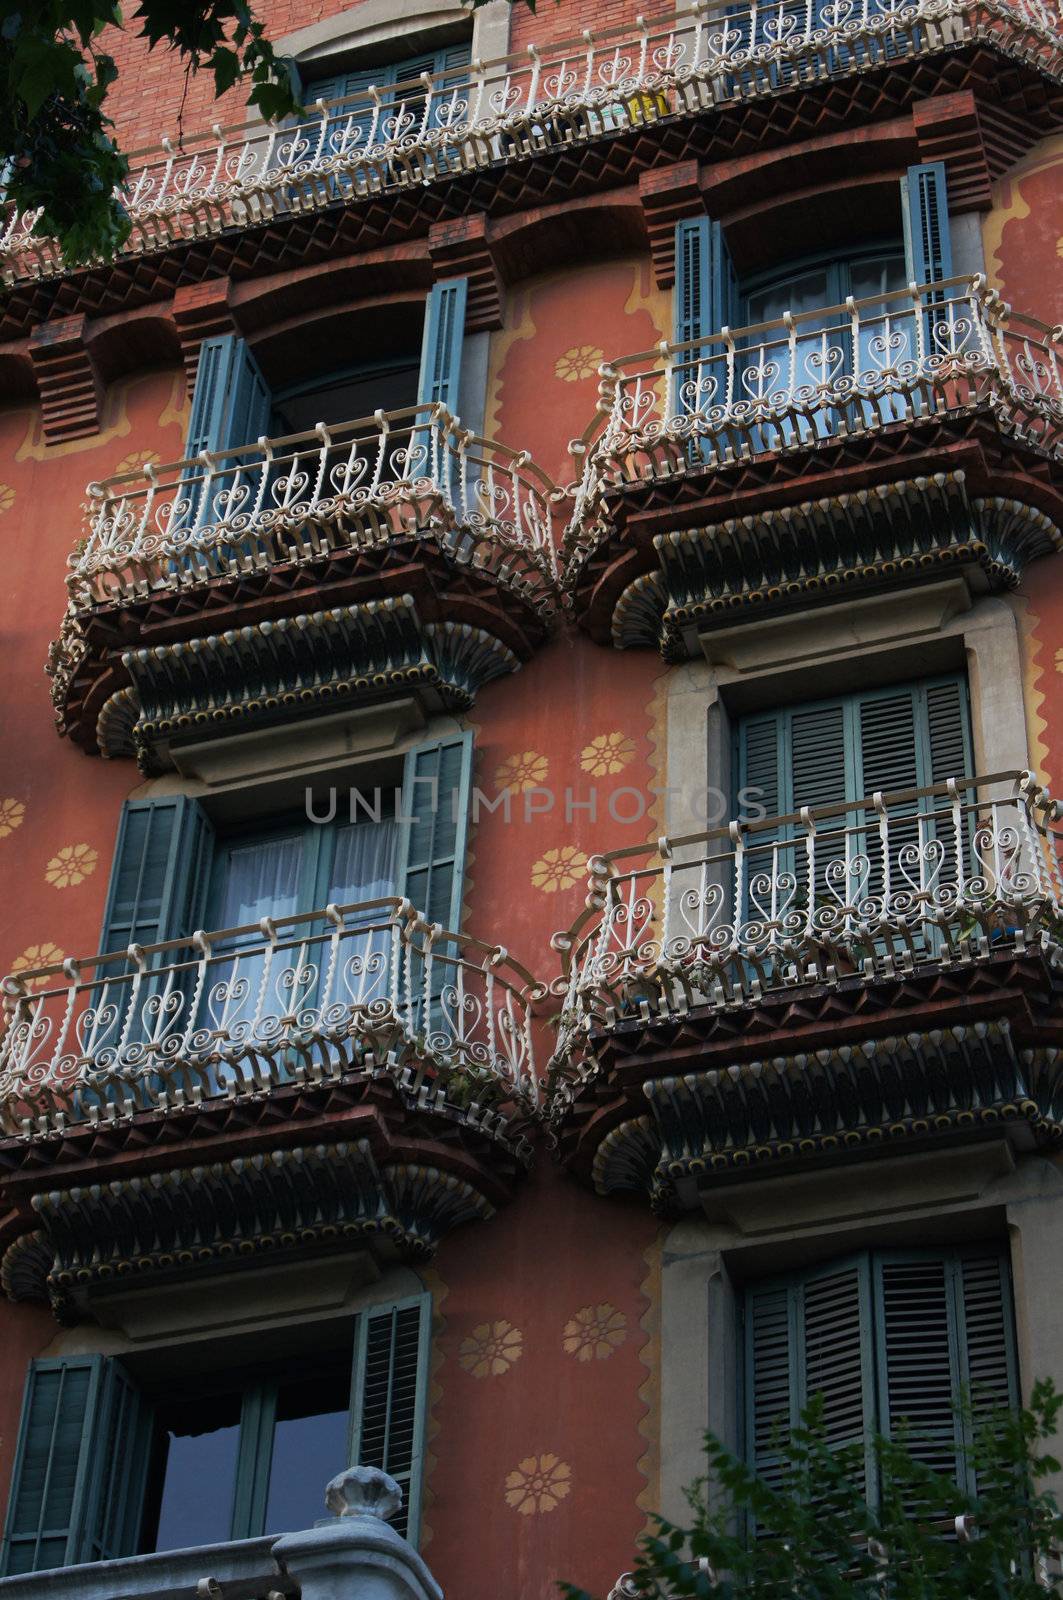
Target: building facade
x,y
533,901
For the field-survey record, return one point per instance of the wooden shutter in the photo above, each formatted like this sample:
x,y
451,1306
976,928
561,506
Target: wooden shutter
x,y
805,1336
231,403
692,305
80,1466
435,791
927,246
389,1396
943,1326
160,870
444,332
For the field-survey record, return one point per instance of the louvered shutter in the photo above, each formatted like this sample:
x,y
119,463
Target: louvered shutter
x,y
435,797
161,865
80,1465
943,1327
927,244
444,331
705,300
231,403
806,1336
389,1398
763,759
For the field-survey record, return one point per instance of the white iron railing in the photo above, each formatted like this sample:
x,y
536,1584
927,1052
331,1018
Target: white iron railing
x,y
310,494
888,883
816,375
585,88
243,1011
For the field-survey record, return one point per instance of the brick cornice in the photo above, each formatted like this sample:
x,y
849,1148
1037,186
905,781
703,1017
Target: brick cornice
x,y
200,311
668,194
948,128
68,381
460,247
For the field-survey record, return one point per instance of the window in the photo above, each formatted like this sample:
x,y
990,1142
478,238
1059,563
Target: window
x,y
107,1467
402,95
885,1337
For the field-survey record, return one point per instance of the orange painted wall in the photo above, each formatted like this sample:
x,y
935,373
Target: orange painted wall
x,y
525,1415
1023,240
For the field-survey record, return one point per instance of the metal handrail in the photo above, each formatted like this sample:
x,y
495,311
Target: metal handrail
x,y
235,1011
584,88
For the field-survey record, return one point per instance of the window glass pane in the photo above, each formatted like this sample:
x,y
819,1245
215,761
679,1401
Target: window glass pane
x,y
349,398
880,276
309,1448
363,867
199,1475
260,880
804,292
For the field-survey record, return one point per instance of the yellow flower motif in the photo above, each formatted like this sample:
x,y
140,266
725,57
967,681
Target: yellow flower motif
x,y
71,865
491,1349
1059,659
134,462
582,361
7,497
521,772
37,955
540,1483
558,869
12,813
595,1331
610,752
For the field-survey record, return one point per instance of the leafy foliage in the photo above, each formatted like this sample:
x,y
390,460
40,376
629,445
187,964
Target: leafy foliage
x,y
818,1538
57,150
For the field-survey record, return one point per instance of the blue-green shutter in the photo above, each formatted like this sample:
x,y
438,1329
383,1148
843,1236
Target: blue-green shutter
x,y
444,332
80,1466
436,788
389,1398
927,245
693,296
705,300
159,875
231,402
808,1335
943,1329
258,1418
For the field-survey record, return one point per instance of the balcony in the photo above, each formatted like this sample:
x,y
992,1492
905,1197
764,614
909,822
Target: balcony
x,y
348,1075
596,100
867,443
395,553
836,982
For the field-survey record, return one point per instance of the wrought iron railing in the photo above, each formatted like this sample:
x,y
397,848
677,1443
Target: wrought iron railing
x,y
243,1011
884,884
310,494
585,88
819,375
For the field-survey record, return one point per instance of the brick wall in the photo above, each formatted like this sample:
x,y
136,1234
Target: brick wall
x,y
555,20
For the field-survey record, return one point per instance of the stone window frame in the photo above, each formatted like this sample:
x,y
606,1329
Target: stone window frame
x,y
757,1229
892,637
364,29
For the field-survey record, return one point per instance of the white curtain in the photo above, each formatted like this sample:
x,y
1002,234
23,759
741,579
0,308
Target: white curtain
x,y
363,867
261,880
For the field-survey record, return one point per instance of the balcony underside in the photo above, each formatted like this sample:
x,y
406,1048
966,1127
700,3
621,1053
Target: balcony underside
x,y
372,1157
1029,102
249,650
824,1072
706,544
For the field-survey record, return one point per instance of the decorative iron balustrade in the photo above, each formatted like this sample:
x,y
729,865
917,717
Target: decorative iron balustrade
x,y
307,495
243,1011
583,89
813,376
870,888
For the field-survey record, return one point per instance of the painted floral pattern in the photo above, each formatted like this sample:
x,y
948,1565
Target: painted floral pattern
x,y
7,497
559,869
71,865
34,956
134,462
491,1349
525,771
12,815
582,361
538,1484
607,754
594,1332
